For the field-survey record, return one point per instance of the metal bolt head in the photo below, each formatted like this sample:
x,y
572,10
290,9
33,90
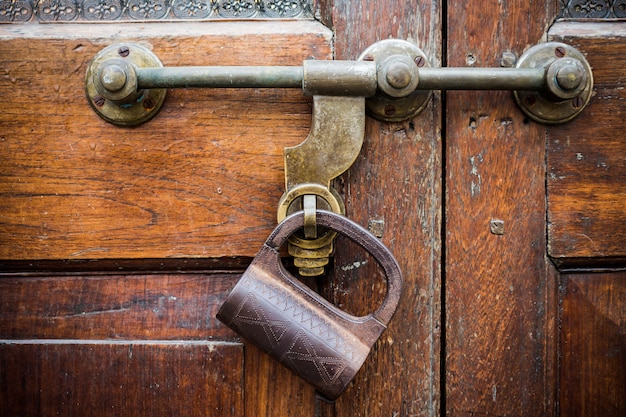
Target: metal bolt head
x,y
398,75
99,101
420,61
496,227
569,76
390,110
508,59
113,78
148,103
123,51
578,102
559,52
530,100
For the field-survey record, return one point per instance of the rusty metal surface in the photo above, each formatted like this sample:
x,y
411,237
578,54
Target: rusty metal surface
x,y
297,327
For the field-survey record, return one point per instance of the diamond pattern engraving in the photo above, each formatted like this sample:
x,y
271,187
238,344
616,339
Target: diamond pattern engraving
x,y
251,315
292,332
309,321
307,361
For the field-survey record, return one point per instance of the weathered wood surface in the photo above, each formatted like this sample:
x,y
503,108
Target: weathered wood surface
x,y
499,293
202,179
74,378
587,157
593,345
122,307
396,180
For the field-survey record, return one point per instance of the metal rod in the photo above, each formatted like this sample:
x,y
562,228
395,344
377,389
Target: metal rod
x,y
446,78
220,77
528,79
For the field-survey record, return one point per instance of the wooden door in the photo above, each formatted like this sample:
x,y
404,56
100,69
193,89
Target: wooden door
x,y
117,245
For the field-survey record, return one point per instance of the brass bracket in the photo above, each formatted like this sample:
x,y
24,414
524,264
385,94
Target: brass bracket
x,y
552,82
398,63
111,85
332,146
569,83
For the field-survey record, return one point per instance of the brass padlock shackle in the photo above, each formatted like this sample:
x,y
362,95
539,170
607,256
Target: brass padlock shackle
x,y
552,82
363,238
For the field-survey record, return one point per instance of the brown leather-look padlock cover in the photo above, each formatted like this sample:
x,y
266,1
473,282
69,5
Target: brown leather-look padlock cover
x,y
296,326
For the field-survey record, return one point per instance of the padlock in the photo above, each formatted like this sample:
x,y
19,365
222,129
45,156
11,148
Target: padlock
x,y
296,326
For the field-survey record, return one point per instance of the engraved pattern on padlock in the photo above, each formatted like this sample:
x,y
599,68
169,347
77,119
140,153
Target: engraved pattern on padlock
x,y
296,326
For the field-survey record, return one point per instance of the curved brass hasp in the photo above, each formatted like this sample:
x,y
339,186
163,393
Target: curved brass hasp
x,y
332,146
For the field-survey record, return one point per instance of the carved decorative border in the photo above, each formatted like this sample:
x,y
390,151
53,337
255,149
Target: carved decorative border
x,y
146,10
592,9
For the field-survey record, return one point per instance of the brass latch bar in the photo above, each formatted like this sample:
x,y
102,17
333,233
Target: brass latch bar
x,y
552,81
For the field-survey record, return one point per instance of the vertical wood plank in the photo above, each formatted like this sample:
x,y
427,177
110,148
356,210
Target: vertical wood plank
x,y
593,345
498,286
586,164
395,180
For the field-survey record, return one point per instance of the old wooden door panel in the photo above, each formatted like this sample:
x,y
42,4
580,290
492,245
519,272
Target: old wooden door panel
x,y
116,307
107,378
593,344
586,158
83,201
200,180
586,187
499,292
102,345
396,180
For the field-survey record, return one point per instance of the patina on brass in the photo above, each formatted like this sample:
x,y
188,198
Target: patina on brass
x,y
332,146
399,63
394,75
112,87
568,83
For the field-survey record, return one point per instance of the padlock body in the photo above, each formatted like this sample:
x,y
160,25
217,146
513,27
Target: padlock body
x,y
296,326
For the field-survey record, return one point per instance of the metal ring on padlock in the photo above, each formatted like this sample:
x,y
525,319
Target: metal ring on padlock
x,y
298,327
329,195
363,238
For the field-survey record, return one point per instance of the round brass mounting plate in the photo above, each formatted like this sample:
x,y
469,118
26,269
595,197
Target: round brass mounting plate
x,y
537,105
391,109
140,110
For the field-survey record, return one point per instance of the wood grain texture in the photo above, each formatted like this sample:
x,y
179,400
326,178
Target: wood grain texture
x,y
273,390
202,179
148,307
586,157
499,290
396,179
113,379
593,345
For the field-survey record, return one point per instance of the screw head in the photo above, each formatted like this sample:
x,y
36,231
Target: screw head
x,y
368,58
123,51
559,51
99,100
390,110
148,103
577,102
420,61
508,59
530,100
